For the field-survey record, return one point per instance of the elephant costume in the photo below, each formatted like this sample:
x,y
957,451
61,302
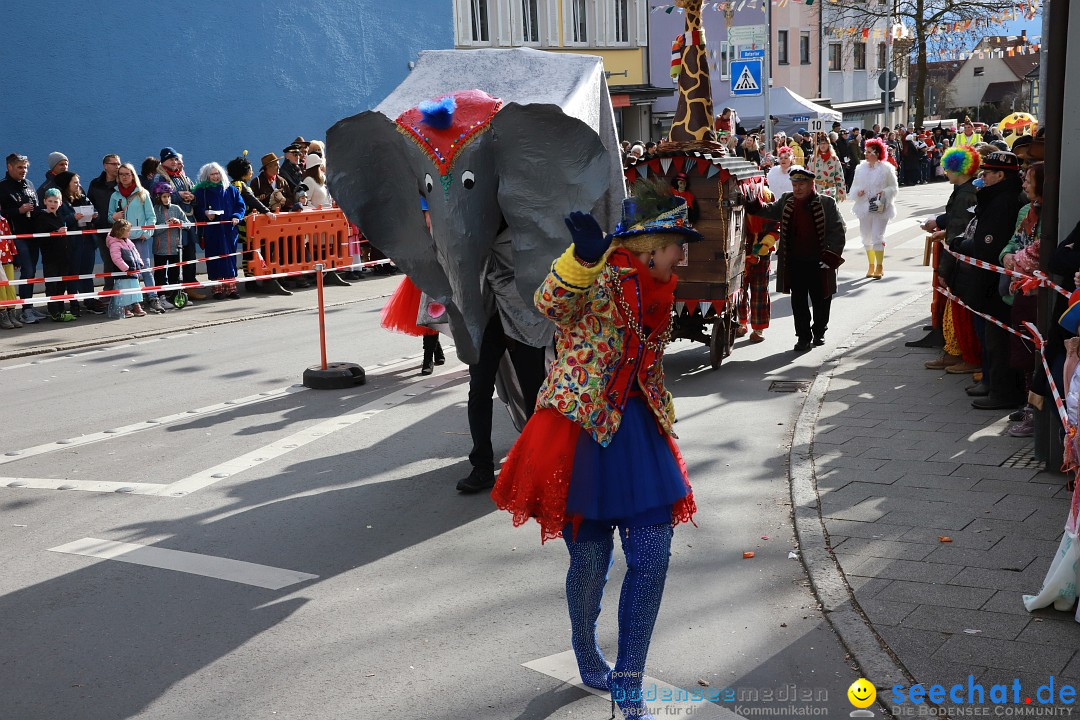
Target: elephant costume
x,y
500,168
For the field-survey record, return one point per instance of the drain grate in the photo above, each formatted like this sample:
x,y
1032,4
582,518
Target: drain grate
x,y
789,386
1023,459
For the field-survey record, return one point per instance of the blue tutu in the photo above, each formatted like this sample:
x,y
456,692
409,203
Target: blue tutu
x,y
635,474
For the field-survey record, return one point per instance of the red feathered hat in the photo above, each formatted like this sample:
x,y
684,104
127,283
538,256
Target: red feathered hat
x,y
880,146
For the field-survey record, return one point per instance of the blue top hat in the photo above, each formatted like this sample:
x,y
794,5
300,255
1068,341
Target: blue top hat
x,y
1070,319
676,220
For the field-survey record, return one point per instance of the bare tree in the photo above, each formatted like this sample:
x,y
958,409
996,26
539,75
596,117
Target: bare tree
x,y
919,17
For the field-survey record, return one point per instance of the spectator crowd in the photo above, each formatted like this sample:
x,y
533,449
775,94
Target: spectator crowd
x,y
120,202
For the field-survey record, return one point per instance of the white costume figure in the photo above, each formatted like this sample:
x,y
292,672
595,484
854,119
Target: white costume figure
x,y
874,189
778,180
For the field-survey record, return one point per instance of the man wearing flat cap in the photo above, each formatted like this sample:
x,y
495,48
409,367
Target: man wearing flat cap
x,y
809,249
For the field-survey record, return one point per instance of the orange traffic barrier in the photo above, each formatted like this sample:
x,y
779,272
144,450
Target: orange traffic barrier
x,y
292,242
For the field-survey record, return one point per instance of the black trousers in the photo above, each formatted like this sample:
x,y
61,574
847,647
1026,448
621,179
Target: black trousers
x,y
807,280
1006,382
172,276
529,366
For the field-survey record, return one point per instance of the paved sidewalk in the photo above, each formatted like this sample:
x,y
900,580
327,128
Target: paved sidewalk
x,y
89,330
901,459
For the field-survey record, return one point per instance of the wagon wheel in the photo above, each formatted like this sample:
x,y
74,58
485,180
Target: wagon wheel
x,y
723,338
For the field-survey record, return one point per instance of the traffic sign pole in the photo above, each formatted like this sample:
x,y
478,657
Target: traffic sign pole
x,y
766,77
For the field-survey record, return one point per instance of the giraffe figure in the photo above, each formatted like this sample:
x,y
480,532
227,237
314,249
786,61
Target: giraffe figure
x,y
693,120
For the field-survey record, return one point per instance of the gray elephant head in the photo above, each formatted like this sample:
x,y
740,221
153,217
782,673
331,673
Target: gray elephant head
x,y
484,169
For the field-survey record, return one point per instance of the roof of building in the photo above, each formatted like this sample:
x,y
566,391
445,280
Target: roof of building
x,y
946,69
999,91
1019,64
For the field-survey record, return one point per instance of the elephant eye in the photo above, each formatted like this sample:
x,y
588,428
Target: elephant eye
x,y
428,183
468,179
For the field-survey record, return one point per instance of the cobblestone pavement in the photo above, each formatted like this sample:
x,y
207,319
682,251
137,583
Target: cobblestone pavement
x,y
902,463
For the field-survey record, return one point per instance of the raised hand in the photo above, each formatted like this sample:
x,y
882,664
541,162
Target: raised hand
x,y
590,242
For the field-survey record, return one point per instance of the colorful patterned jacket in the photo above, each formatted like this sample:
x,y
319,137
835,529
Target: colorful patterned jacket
x,y
599,359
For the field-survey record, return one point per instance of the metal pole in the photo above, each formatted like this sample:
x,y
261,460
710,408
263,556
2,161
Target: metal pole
x,y
322,313
888,71
1055,63
767,79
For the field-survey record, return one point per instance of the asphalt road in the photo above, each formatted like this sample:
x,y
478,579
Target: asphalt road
x,y
377,590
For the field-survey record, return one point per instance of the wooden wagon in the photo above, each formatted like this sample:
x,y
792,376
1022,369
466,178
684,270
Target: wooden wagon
x,y
710,278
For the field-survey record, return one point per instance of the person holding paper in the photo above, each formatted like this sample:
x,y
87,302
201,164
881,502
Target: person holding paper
x,y
217,200
79,214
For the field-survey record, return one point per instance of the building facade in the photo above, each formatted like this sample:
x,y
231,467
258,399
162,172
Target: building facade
x,y
856,53
615,30
995,75
211,82
796,54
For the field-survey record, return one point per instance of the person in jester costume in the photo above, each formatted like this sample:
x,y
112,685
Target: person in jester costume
x,y
599,451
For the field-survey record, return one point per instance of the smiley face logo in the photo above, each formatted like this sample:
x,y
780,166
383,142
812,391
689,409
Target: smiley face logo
x,y
862,693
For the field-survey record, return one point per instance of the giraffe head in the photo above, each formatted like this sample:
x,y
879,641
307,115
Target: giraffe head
x,y
693,121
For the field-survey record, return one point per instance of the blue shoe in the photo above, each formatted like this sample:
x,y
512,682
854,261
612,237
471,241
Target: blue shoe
x,y
647,550
590,562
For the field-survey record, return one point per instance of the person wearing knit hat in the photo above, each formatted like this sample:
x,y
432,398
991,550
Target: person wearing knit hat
x,y
587,461
167,153
58,163
55,255
874,189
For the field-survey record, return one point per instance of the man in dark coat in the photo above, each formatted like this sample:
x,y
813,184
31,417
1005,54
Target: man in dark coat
x,y
100,192
18,199
996,207
809,249
292,167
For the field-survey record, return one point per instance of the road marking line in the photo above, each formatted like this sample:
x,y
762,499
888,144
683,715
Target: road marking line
x,y
229,468
297,440
237,571
563,667
16,455
94,351
86,485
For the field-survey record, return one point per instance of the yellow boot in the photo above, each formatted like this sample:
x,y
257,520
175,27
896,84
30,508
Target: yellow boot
x,y
879,259
870,259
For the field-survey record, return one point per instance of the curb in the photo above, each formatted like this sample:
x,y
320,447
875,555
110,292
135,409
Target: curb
x,y
873,656
82,344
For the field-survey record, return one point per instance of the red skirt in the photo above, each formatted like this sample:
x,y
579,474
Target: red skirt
x,y
535,480
399,313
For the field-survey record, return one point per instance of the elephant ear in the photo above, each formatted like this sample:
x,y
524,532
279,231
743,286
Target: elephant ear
x,y
371,178
549,164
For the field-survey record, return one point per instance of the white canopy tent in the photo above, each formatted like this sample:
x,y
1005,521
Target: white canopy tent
x,y
792,110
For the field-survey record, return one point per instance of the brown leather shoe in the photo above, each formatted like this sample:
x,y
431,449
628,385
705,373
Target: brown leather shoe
x,y
197,294
946,360
963,368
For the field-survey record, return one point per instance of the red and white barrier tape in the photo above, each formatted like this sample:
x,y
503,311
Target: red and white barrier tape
x,y
1058,402
106,294
1038,276
92,276
1035,339
99,231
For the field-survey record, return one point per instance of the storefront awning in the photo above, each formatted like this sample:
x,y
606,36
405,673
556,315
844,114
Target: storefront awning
x,y
627,95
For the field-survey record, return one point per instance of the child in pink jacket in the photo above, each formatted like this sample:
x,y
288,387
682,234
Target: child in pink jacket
x,y
126,258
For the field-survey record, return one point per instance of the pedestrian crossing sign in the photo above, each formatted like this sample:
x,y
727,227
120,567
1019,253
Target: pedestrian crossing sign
x,y
746,77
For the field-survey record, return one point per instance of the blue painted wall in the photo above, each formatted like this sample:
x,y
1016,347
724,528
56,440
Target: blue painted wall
x,y
208,77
